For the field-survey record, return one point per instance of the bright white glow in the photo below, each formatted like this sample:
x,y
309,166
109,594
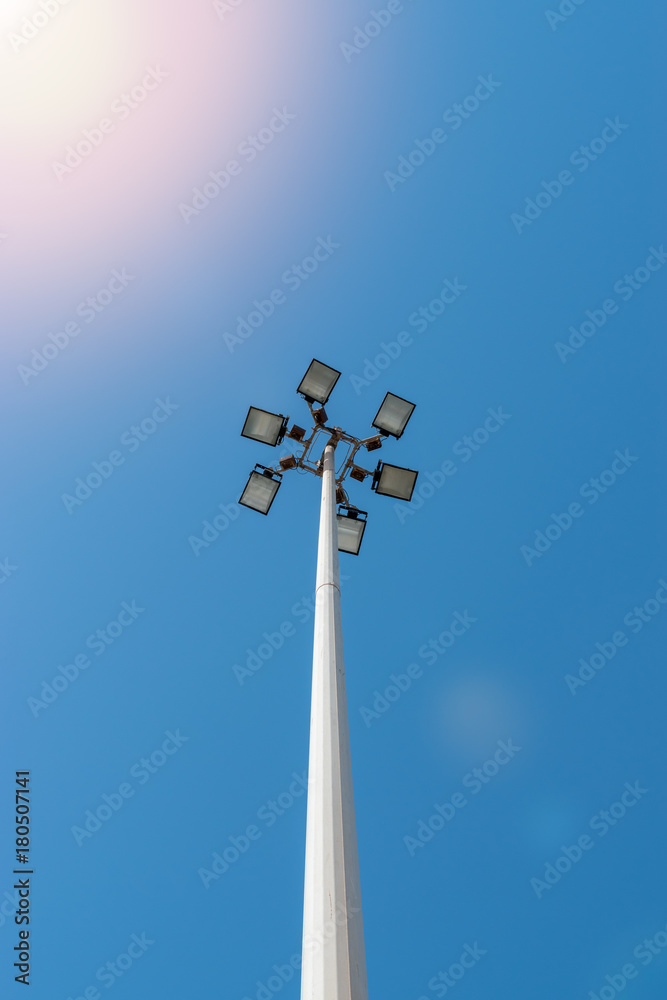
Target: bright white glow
x,y
60,72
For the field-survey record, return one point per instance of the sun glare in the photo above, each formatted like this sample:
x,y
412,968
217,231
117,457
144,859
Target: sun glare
x,y
60,65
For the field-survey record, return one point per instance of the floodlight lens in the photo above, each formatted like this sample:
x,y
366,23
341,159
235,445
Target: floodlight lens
x,y
318,382
261,425
350,533
394,481
260,492
393,415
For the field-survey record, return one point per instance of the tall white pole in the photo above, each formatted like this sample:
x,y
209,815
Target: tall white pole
x,y
334,961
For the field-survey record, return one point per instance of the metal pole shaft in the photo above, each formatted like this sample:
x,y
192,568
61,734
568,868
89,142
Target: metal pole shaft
x,y
334,961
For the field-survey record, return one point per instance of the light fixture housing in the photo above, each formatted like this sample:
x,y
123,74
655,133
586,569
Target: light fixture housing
x,y
320,416
288,462
296,433
264,426
358,474
351,527
318,382
394,481
372,444
260,490
393,415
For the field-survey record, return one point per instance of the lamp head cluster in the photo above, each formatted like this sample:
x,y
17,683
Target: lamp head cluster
x,y
269,428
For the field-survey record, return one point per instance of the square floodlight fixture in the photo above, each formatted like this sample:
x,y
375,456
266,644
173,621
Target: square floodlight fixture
x,y
318,382
351,527
320,416
288,462
261,425
372,444
394,481
358,474
260,490
296,433
393,415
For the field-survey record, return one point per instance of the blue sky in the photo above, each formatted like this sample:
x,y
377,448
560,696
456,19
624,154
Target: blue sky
x,y
538,524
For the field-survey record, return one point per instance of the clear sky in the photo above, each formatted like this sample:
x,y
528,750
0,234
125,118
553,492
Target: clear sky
x,y
458,202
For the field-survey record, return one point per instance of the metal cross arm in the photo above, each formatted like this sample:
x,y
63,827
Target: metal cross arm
x,y
272,428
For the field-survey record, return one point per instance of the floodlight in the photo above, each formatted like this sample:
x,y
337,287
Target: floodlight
x,y
261,425
260,491
351,527
393,415
394,481
318,382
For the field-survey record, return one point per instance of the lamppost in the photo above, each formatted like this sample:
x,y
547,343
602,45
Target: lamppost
x,y
333,957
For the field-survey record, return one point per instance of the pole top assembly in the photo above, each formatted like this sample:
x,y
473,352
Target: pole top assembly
x,y
270,428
